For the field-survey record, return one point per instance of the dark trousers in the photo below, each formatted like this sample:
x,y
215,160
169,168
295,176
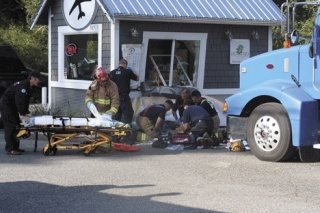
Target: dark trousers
x,y
125,112
10,121
200,127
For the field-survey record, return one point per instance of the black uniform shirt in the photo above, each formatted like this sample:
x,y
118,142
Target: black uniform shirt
x,y
122,77
206,105
154,111
178,105
17,97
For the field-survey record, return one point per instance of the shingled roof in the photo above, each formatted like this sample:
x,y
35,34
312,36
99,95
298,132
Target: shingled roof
x,y
257,12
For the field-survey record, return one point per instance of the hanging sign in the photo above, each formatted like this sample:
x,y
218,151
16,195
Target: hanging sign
x,y
79,13
132,53
70,49
239,50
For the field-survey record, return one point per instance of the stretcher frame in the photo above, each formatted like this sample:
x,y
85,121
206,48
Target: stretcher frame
x,y
60,136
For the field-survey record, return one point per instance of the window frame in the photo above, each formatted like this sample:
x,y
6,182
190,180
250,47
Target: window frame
x,y
62,32
202,37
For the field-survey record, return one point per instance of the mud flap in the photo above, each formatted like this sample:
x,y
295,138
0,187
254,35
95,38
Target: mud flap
x,y
309,154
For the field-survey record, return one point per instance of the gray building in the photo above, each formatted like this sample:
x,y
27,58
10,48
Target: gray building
x,y
197,43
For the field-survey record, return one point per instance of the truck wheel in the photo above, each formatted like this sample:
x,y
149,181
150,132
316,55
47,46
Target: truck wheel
x,y
269,133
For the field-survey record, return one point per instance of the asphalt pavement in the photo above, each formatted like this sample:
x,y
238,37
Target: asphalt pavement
x,y
154,180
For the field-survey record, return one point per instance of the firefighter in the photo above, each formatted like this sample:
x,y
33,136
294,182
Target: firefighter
x,y
196,120
209,107
14,105
151,119
178,105
102,97
122,76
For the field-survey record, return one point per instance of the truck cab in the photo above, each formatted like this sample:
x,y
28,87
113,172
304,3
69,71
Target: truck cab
x,y
277,107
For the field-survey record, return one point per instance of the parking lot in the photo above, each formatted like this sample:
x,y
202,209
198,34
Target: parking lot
x,y
154,180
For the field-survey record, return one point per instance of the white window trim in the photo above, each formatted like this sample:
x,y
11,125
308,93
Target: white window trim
x,y
176,36
66,30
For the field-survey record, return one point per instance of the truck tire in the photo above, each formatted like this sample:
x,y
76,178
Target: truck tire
x,y
269,133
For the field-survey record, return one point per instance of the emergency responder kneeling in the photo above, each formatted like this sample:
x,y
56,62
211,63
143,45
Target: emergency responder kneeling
x,y
196,120
102,97
152,119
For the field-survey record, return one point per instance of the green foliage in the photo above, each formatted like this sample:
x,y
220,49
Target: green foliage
x,y
31,45
11,11
304,20
39,110
277,38
92,49
30,8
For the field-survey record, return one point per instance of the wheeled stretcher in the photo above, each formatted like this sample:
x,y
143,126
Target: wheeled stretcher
x,y
75,133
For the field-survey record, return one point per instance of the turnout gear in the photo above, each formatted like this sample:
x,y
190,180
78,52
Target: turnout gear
x,y
101,74
105,97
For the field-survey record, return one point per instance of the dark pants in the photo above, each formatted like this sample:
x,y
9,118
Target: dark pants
x,y
10,121
202,126
125,112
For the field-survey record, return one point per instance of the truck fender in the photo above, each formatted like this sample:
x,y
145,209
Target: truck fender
x,y
301,108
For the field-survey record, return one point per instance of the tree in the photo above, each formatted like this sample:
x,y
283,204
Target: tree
x,y
304,19
31,45
11,11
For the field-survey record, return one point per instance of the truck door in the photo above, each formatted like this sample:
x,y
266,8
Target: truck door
x,y
316,50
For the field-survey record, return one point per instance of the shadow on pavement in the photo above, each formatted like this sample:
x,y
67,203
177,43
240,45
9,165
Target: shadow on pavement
x,y
31,196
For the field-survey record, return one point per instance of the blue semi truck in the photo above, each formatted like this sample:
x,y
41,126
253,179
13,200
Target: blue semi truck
x,y
277,107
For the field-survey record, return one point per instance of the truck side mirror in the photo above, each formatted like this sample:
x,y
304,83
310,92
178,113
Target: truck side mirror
x,y
294,37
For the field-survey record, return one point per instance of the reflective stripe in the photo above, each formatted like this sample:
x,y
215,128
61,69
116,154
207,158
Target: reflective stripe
x,y
88,99
143,137
113,109
103,101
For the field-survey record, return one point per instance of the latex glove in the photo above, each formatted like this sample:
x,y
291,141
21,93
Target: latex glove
x,y
107,116
89,103
25,119
93,109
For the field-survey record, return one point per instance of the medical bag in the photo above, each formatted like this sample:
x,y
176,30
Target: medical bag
x,y
181,138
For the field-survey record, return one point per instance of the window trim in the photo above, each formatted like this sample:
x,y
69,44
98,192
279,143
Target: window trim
x,y
202,37
62,32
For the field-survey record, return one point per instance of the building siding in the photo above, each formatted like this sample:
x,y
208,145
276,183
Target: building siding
x,y
62,97
219,73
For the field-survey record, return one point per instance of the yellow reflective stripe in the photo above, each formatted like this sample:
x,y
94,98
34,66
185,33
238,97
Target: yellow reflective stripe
x,y
113,109
88,99
143,137
103,101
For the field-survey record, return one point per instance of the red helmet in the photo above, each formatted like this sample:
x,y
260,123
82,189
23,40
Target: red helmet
x,y
101,74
